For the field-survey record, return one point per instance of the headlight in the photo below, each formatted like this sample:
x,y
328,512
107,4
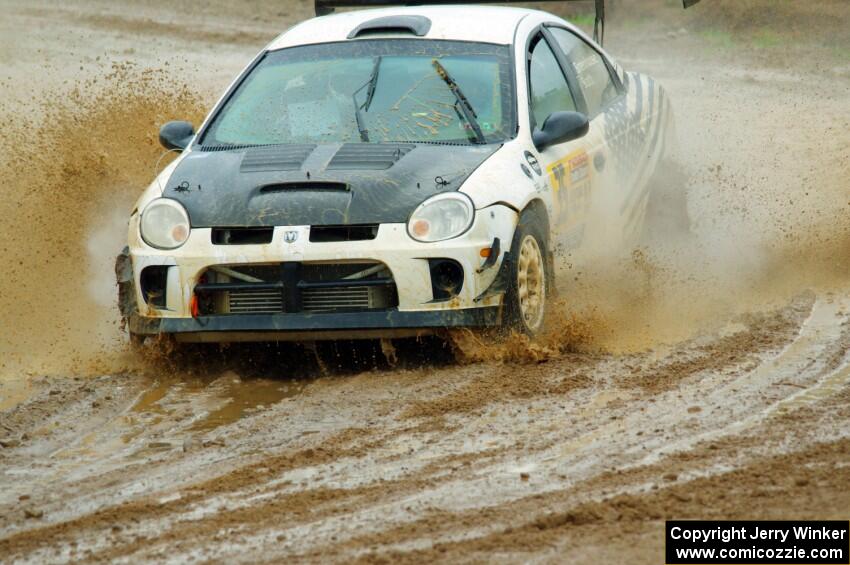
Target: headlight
x,y
444,216
165,224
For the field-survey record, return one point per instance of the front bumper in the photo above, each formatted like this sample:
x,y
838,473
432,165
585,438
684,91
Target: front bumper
x,y
299,326
417,310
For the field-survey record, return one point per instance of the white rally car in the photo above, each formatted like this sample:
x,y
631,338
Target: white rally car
x,y
387,173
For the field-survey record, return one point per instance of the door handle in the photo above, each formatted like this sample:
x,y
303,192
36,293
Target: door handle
x,y
599,161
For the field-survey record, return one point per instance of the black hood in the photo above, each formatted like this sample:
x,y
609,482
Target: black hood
x,y
353,183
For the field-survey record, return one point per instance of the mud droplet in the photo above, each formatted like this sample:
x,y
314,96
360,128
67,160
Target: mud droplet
x,y
189,444
159,445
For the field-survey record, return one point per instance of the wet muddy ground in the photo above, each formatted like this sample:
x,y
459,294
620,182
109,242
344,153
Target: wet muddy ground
x,y
700,376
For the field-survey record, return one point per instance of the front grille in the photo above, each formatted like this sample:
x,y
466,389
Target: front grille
x,y
242,236
360,232
296,287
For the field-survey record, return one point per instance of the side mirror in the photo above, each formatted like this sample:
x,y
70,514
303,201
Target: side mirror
x,y
560,127
176,135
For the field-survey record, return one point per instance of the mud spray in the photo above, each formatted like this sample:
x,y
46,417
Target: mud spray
x,y
75,162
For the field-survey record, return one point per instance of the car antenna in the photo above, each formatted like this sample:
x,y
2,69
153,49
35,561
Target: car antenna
x,y
599,22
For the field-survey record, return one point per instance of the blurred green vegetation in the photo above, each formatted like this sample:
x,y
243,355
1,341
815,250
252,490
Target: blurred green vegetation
x,y
583,20
718,38
766,38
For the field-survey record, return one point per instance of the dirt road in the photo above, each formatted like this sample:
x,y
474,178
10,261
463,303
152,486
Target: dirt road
x,y
702,376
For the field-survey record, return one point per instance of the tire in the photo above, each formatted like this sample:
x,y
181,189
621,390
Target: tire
x,y
530,276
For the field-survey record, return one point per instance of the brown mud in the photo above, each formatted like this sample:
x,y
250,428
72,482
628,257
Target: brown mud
x,y
73,168
700,374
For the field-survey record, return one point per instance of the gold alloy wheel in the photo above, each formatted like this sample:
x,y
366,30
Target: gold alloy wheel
x,y
531,283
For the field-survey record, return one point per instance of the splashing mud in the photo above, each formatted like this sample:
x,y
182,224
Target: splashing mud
x,y
757,237
663,292
74,163
565,332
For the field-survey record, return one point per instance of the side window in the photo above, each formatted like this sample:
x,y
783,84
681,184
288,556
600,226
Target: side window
x,y
593,76
548,87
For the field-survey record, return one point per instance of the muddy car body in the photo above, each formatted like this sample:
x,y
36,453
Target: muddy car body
x,y
390,172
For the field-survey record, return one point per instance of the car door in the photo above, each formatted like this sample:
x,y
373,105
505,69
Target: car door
x,y
567,165
616,136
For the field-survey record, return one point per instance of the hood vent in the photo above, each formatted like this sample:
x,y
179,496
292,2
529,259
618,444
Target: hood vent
x,y
305,185
368,156
275,158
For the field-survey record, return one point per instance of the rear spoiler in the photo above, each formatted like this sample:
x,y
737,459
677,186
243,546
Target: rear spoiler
x,y
325,7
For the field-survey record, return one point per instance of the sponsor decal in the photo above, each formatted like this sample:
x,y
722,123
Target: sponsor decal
x,y
570,179
578,168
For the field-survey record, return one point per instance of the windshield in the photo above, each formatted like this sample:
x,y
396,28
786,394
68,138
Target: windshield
x,y
388,90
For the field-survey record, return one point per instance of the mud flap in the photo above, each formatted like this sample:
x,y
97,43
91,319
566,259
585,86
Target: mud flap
x,y
126,287
500,283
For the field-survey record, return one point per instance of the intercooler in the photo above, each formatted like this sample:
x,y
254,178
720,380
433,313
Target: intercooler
x,y
295,287
312,300
343,298
253,301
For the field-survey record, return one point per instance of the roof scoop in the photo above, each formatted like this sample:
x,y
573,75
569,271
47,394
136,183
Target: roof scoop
x,y
415,25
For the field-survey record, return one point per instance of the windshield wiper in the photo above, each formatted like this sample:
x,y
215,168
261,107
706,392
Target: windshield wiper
x,y
465,107
370,94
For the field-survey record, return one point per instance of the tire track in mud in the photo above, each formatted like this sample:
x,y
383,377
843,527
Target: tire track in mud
x,y
758,333
564,535
504,384
713,480
247,487
517,441
158,507
431,496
